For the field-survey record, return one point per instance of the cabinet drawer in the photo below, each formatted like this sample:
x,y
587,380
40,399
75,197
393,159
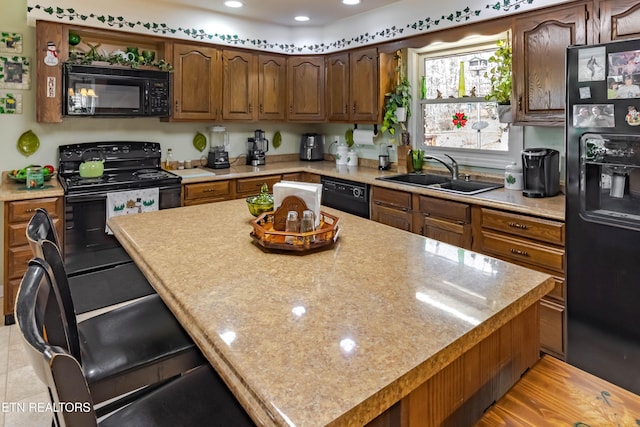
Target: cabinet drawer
x,y
248,186
447,232
440,208
394,217
393,198
552,325
558,290
207,189
23,210
17,233
522,251
524,226
17,260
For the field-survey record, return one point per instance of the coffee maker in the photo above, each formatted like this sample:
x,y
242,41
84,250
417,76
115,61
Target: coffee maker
x,y
541,172
312,147
257,148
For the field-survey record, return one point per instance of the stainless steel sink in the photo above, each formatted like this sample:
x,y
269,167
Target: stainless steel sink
x,y
442,183
419,179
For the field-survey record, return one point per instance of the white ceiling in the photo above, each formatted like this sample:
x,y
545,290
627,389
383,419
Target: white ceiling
x,y
282,12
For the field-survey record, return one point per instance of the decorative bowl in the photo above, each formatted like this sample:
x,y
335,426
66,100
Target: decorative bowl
x,y
257,206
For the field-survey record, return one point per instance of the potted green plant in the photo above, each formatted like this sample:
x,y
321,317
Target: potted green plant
x,y
500,78
397,107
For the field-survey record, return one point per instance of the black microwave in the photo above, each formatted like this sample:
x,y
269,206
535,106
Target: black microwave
x,y
99,91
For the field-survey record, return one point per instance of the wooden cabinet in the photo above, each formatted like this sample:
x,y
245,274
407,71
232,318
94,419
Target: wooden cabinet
x,y
207,192
337,90
17,251
445,220
619,19
196,82
249,186
535,243
392,207
305,89
539,85
253,86
352,86
272,87
49,79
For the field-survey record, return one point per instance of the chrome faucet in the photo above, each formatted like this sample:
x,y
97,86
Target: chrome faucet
x,y
453,167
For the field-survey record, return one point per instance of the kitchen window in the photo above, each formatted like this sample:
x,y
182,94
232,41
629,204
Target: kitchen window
x,y
452,115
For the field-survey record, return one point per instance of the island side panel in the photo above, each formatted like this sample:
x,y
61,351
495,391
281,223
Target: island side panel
x,y
464,389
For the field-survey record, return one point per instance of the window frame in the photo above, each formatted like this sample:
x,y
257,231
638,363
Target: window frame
x,y
464,156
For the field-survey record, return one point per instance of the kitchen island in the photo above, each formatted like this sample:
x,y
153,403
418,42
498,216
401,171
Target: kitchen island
x,y
387,327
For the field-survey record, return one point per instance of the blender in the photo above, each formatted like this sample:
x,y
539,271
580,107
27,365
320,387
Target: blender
x,y
218,151
257,148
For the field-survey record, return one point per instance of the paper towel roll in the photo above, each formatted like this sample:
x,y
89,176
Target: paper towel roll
x,y
363,136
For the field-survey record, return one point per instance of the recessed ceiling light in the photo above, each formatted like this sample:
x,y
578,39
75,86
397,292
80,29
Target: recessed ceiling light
x,y
350,2
233,3
301,18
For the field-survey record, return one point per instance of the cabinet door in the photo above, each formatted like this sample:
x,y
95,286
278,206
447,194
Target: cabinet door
x,y
394,217
539,44
196,82
337,95
619,19
364,85
305,75
240,83
272,74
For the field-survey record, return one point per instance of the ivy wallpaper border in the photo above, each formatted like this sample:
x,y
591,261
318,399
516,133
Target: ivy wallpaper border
x,y
421,25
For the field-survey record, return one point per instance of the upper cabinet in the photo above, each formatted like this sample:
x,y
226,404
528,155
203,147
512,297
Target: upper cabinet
x,y
272,87
540,40
196,82
253,86
352,86
239,85
305,88
619,19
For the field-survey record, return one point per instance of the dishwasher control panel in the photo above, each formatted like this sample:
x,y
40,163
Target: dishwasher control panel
x,y
352,189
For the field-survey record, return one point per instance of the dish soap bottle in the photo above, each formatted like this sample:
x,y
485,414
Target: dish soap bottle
x,y
168,163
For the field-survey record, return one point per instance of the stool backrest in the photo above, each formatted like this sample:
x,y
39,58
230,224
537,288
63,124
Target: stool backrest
x,y
41,227
38,312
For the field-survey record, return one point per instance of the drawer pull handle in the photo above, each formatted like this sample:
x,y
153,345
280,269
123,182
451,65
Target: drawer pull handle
x,y
209,190
519,252
518,225
29,210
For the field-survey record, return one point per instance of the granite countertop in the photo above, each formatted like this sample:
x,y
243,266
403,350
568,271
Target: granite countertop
x,y
12,191
334,337
548,207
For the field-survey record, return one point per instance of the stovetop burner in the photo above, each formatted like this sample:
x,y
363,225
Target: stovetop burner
x,y
151,174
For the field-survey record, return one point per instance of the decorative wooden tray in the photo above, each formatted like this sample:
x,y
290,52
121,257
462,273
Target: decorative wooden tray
x,y
323,237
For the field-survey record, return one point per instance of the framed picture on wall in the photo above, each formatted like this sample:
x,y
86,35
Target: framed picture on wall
x,y
15,72
10,103
10,42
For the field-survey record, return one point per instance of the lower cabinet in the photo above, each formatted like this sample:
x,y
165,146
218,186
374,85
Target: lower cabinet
x,y
206,192
445,220
17,251
250,186
392,207
536,243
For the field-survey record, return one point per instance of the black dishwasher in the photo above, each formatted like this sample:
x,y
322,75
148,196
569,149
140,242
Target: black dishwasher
x,y
348,196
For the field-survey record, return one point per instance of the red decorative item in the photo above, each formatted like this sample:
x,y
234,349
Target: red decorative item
x,y
459,120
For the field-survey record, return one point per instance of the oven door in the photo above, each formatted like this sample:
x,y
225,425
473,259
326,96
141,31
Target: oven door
x,y
86,245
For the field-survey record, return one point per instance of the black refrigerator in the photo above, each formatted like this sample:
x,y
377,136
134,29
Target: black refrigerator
x,y
603,211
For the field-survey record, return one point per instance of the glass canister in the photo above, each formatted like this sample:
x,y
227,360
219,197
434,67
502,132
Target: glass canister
x,y
35,177
513,178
